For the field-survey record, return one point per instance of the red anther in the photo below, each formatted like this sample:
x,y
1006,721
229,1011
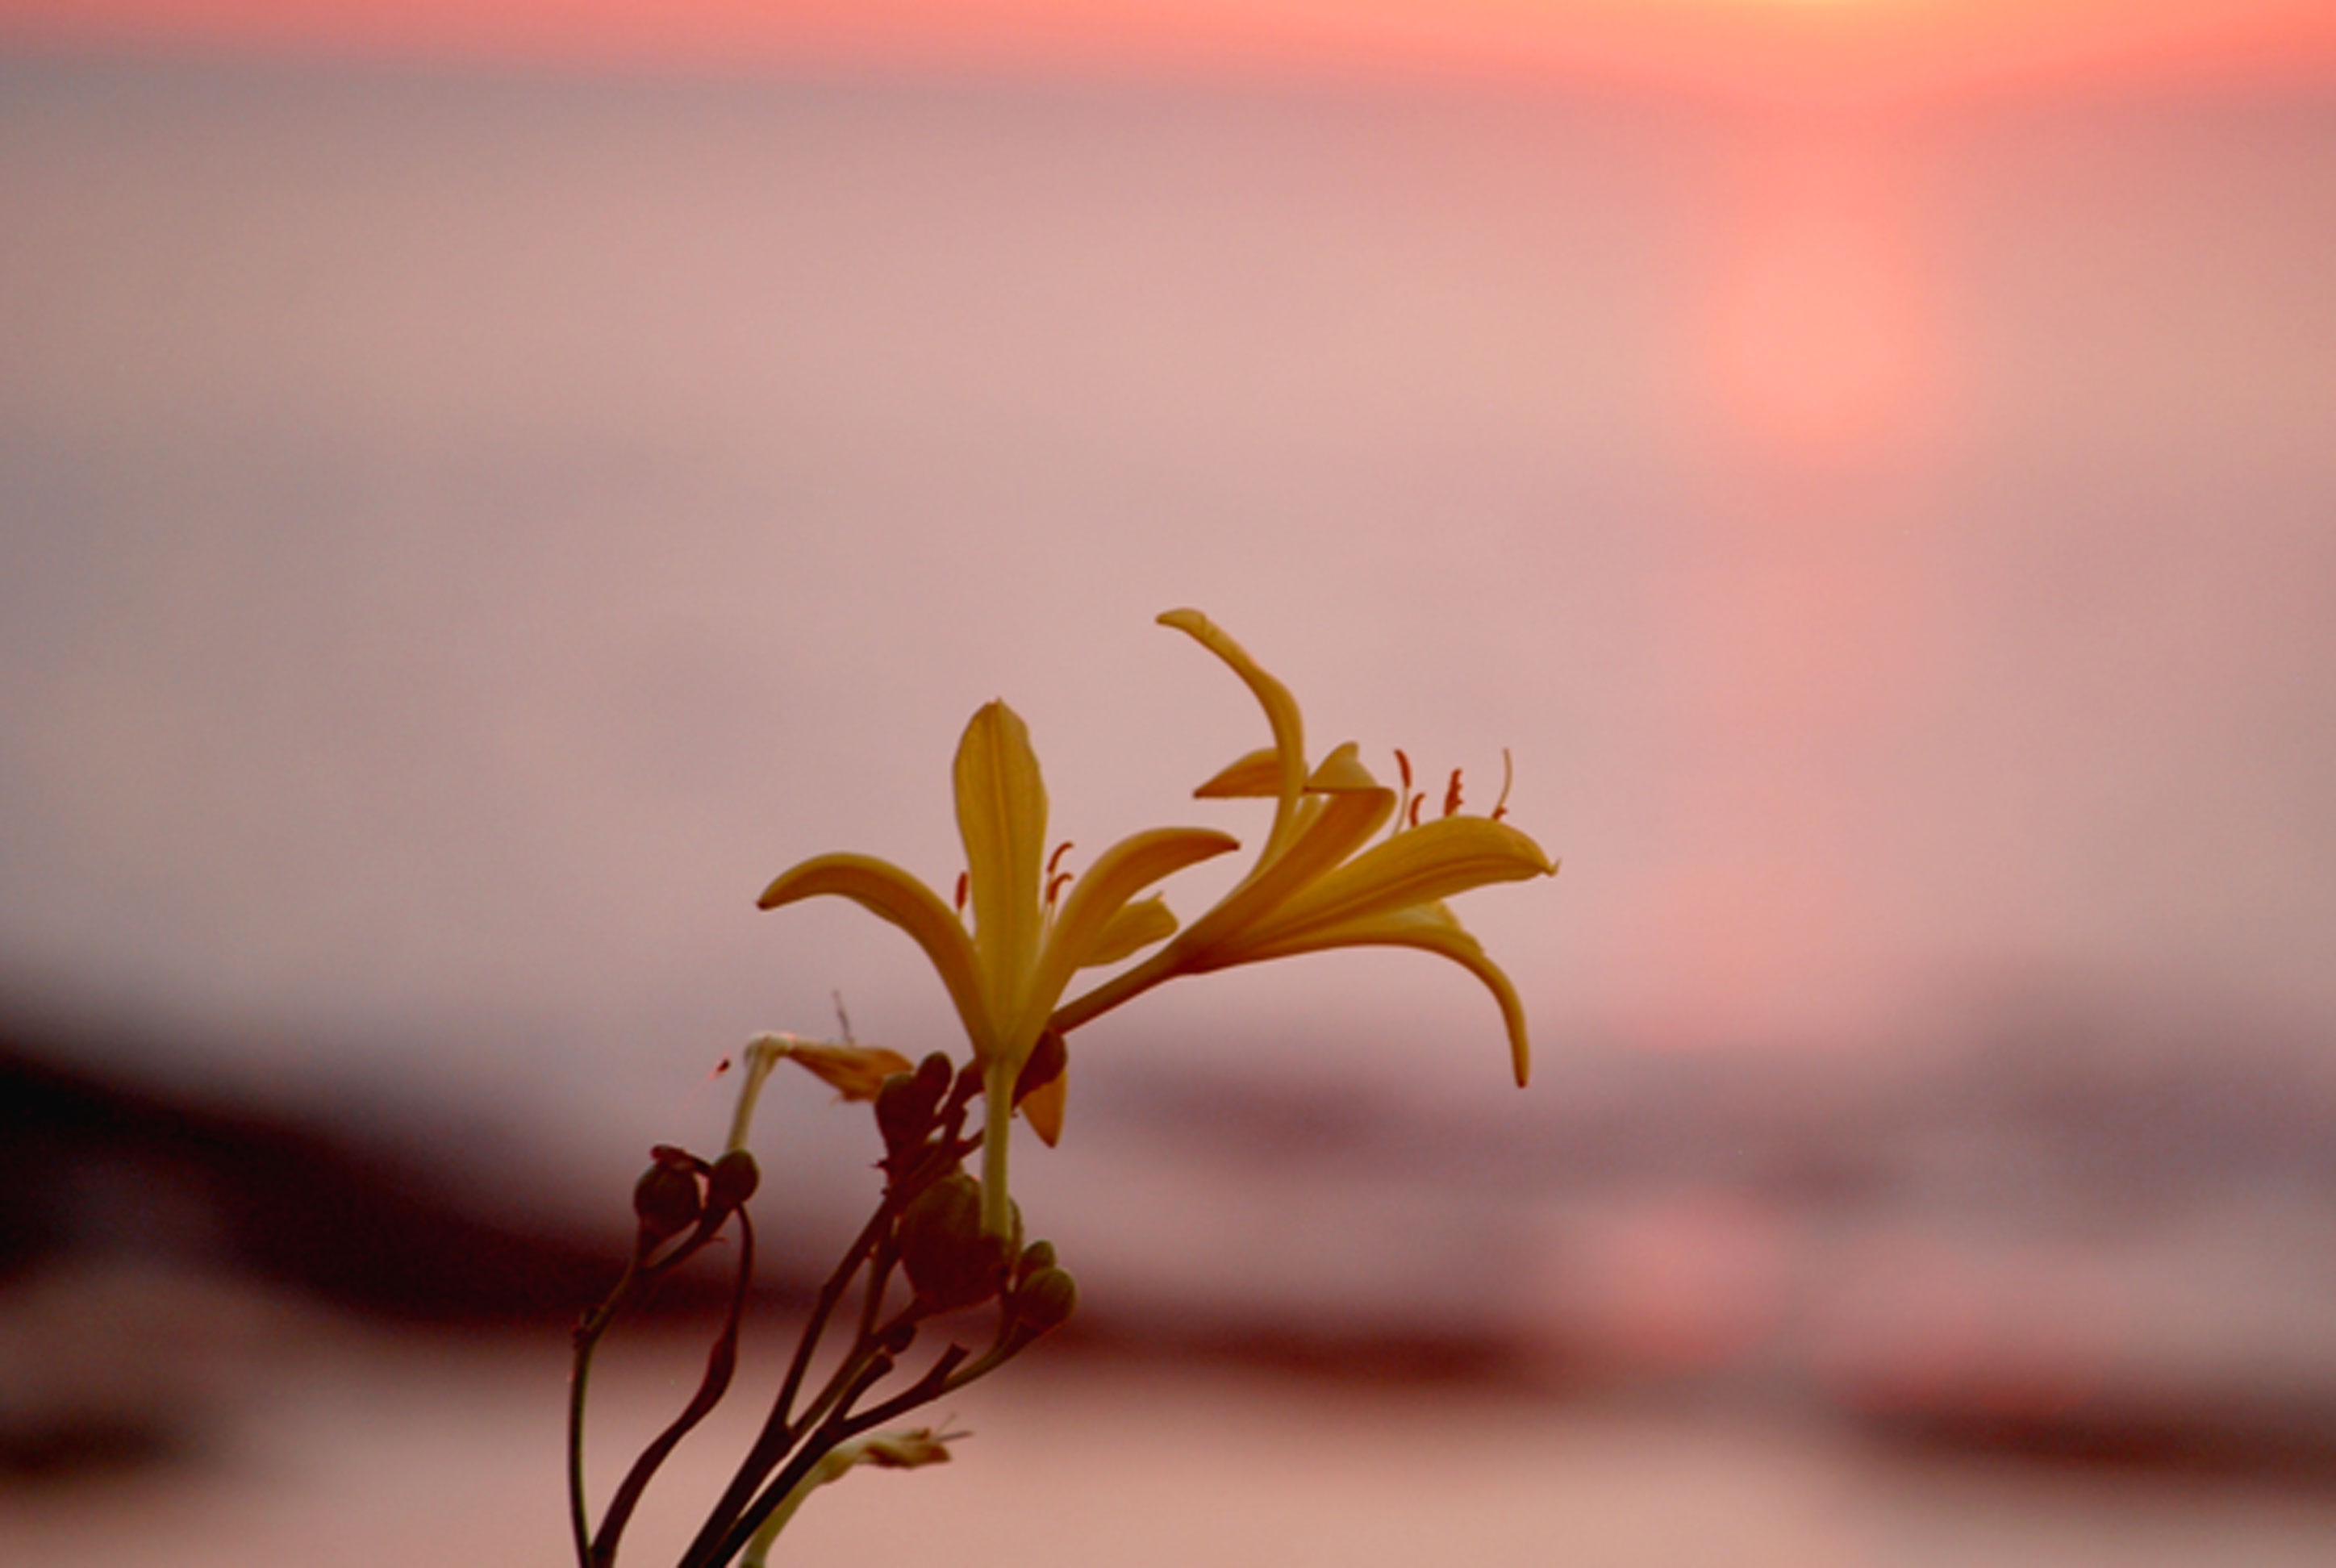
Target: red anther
x,y
1403,768
720,1067
1055,885
1452,793
964,889
1055,861
1411,817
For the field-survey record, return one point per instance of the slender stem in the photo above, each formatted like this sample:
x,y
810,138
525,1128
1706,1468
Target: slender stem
x,y
732,1524
1125,986
781,1430
838,1426
588,1337
721,1362
830,1294
998,1092
880,1275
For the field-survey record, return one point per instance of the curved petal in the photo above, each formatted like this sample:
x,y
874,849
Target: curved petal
x,y
1136,927
884,889
1431,929
1042,1107
1001,814
1416,866
1118,875
1280,713
1257,774
1341,772
1328,829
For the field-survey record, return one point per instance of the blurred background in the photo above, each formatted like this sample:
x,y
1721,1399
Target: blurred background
x,y
486,487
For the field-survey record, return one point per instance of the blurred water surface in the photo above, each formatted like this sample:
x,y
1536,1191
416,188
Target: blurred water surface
x,y
1140,1466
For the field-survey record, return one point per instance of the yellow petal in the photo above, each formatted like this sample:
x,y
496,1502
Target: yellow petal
x,y
1341,772
1256,774
1117,876
1134,928
855,1072
886,890
1001,814
1327,828
1042,1107
1280,713
1431,929
1434,860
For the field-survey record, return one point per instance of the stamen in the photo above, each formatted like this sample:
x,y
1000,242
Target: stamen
x,y
1411,816
1055,886
1452,793
1508,775
1403,767
844,1018
964,889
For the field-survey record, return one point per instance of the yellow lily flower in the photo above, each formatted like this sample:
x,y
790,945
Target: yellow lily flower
x,y
1026,944
1310,890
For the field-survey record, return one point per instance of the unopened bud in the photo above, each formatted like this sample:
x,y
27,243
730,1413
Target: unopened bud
x,y
950,1264
733,1182
901,1112
666,1199
1037,1255
1045,1302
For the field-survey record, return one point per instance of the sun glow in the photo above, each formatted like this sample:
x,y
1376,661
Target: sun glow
x,y
1819,342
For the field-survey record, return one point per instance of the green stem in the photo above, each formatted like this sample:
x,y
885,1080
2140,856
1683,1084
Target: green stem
x,y
998,1093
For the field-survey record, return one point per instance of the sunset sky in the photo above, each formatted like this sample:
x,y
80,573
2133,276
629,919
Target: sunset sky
x,y
1849,50
472,522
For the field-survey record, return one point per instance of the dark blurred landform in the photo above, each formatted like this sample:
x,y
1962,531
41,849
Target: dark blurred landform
x,y
1893,1247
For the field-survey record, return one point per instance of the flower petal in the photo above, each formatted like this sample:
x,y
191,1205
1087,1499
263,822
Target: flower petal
x,y
884,889
1431,929
855,1072
1256,774
1280,713
1421,864
1043,1106
1341,772
1001,814
1326,830
1118,875
1135,927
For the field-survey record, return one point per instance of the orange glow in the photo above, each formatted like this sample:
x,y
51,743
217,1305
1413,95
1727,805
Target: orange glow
x,y
1857,50
1822,342
1818,346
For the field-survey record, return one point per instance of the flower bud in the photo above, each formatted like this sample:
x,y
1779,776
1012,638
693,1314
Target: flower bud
x,y
904,1111
1045,1302
733,1182
1037,1255
666,1199
950,1264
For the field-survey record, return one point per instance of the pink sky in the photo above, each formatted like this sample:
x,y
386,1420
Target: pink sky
x,y
1854,49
